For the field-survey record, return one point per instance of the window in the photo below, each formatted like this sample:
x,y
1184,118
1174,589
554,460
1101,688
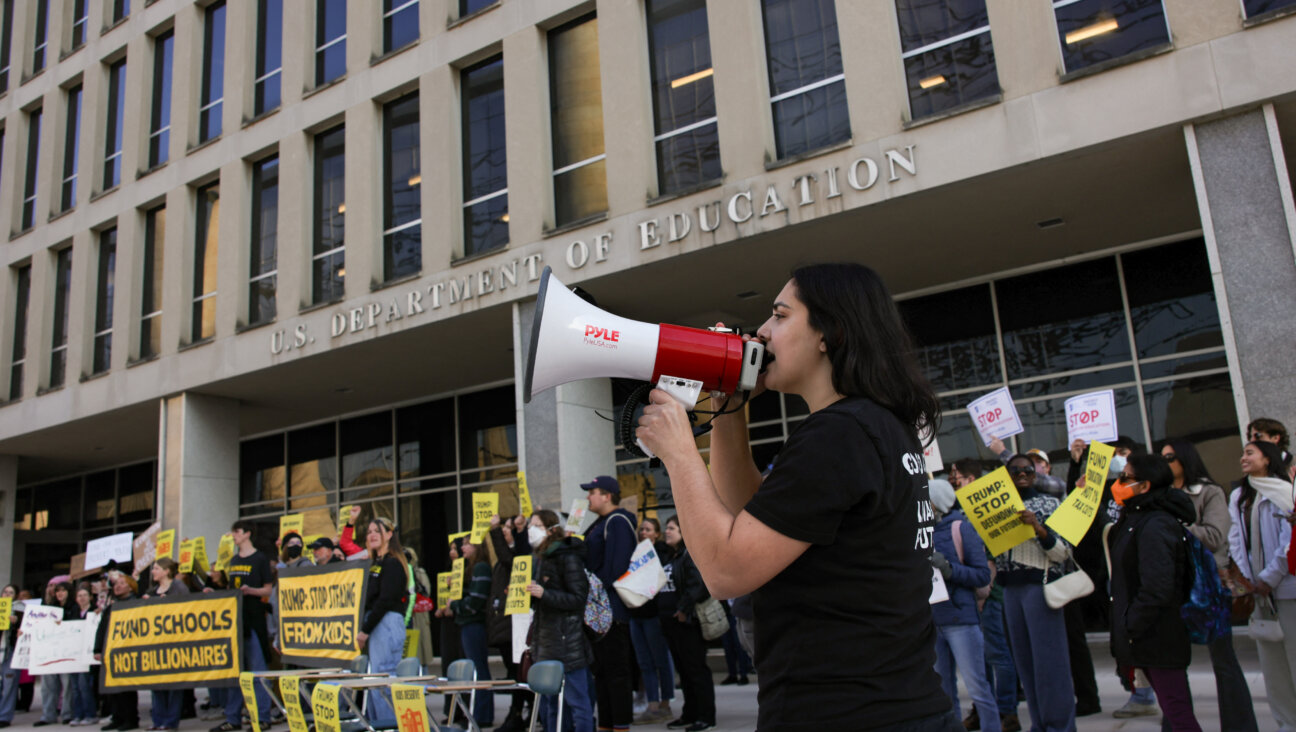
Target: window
x,y
684,117
269,61
213,80
104,300
330,40
151,300
576,107
485,175
58,345
116,123
400,23
468,7
807,86
6,42
80,19
402,220
328,261
1094,32
265,233
30,182
71,147
206,244
947,55
120,10
39,42
160,121
1256,8
21,300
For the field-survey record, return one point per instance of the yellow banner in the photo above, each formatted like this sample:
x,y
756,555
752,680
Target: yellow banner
x,y
224,552
344,515
451,538
165,544
248,685
292,522
519,600
200,554
6,612
186,556
457,579
484,505
443,589
324,702
411,643
174,643
992,504
290,690
524,495
1073,518
320,612
411,708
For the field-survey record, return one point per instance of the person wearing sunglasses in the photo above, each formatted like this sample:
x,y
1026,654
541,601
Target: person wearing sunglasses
x,y
1149,581
1258,543
1212,529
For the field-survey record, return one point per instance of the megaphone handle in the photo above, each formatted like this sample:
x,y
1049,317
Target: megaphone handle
x,y
685,391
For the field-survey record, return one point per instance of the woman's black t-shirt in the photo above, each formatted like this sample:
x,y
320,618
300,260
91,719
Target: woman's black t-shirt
x,y
387,591
844,635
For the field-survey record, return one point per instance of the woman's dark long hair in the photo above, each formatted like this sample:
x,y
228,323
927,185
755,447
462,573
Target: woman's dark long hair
x,y
1273,454
870,348
1153,469
394,548
1194,469
554,531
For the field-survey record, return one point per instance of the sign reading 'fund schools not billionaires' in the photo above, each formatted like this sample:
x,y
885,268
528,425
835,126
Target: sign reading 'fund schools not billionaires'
x,y
320,609
174,643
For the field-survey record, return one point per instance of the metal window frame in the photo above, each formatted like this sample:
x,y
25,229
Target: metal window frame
x,y
487,197
579,165
1057,4
687,128
808,87
946,42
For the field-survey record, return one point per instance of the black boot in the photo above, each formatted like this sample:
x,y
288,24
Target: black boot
x,y
514,722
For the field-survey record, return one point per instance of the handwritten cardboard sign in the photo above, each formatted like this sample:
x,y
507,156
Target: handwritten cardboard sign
x,y
115,548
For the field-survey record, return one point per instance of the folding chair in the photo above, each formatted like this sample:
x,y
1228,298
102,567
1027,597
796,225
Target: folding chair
x,y
462,670
408,667
545,679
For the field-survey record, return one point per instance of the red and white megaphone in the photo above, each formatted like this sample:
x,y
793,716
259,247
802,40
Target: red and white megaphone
x,y
571,339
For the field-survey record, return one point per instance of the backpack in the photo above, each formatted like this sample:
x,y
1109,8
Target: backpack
x,y
1208,610
598,610
983,592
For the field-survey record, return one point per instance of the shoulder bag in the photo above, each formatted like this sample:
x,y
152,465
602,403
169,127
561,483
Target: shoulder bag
x,y
711,616
1068,587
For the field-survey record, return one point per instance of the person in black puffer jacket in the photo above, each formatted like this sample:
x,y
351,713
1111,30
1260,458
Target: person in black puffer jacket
x,y
677,604
560,589
1150,580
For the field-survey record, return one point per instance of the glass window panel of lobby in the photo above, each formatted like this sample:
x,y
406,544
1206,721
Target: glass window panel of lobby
x,y
104,291
151,296
328,258
312,466
160,117
485,171
330,40
576,108
213,77
263,475
62,290
269,59
116,125
488,436
686,134
948,58
206,244
400,24
806,82
265,236
368,457
18,356
71,148
30,181
1094,32
402,217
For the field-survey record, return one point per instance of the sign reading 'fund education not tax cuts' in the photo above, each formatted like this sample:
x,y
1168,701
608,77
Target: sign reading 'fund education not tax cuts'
x,y
320,609
992,504
179,642
1076,514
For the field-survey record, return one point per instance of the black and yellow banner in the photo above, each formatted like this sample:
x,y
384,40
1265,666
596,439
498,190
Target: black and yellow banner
x,y
174,643
320,610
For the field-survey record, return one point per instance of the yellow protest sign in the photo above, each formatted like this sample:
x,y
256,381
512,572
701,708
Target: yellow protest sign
x,y
443,589
524,495
6,611
484,505
519,600
186,556
457,579
992,504
165,544
411,708
451,538
324,702
319,612
224,552
292,522
179,642
248,685
344,515
1073,518
411,643
290,690
200,554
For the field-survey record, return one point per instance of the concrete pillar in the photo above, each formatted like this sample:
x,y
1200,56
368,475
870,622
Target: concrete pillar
x,y
627,106
296,206
198,457
82,295
528,144
8,492
364,255
1249,223
564,442
441,195
737,36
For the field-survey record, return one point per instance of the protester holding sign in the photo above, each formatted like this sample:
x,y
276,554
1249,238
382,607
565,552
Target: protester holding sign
x,y
676,607
387,601
560,588
470,615
83,689
166,702
650,644
250,573
9,675
125,704
54,687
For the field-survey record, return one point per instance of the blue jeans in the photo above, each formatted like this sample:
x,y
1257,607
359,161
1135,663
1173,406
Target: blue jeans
x,y
8,686
736,658
578,709
474,647
166,708
386,644
83,698
961,647
51,686
999,663
234,700
1039,646
653,657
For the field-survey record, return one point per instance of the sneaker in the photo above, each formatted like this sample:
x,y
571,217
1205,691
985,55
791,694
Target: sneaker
x,y
212,715
1010,723
742,681
729,681
226,727
677,724
1134,709
972,721
699,726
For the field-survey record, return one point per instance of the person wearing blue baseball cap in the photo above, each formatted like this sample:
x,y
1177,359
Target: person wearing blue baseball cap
x,y
609,542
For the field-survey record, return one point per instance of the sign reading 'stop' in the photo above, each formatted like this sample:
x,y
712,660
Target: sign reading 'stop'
x,y
179,642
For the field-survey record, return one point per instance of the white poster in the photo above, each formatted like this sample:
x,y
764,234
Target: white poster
x,y
939,592
579,508
110,548
1092,417
932,456
35,618
995,415
521,624
60,647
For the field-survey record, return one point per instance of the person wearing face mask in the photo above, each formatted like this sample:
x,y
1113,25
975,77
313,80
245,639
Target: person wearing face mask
x,y
291,550
560,588
499,627
1258,542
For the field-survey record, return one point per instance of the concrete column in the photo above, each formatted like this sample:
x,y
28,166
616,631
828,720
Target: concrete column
x,y
564,441
240,65
128,288
875,86
232,259
742,88
1249,222
80,307
177,267
363,197
296,205
527,138
627,106
10,175
439,148
198,458
298,52
8,492
40,319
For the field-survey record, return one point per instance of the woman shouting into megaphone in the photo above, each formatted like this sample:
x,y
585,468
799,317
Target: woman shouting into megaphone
x,y
835,543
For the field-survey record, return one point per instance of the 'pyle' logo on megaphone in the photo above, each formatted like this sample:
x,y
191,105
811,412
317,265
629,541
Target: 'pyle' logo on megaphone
x,y
597,335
